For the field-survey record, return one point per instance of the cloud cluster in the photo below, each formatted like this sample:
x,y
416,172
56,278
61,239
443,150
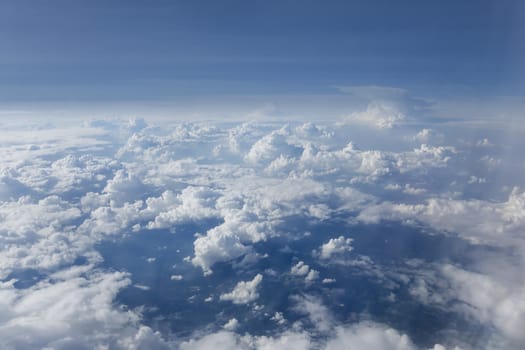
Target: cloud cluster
x,y
502,224
72,309
335,246
303,270
65,190
377,115
362,335
244,292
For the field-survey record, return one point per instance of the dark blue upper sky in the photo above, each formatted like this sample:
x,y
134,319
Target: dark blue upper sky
x,y
104,51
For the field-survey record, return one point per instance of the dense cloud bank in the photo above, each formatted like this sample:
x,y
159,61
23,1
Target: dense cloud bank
x,y
240,189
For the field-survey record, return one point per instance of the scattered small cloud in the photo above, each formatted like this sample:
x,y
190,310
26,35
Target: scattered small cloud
x,y
244,292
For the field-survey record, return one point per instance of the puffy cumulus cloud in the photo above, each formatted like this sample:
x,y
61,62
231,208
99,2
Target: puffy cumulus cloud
x,y
378,115
241,137
369,336
160,145
423,158
193,203
220,340
252,210
80,173
334,246
217,246
313,151
364,335
502,222
72,310
391,98
231,325
278,318
491,299
71,175
125,187
318,314
369,165
373,336
327,334
301,269
108,214
64,190
227,340
244,292
38,234
108,219
272,146
287,340
347,160
426,136
27,142
313,132
10,187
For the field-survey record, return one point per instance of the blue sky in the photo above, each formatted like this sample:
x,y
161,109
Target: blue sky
x,y
82,54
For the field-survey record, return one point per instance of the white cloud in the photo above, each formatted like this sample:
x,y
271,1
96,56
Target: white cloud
x,y
312,275
63,190
369,336
413,190
231,325
193,203
217,341
319,315
424,157
71,313
244,292
301,269
278,318
272,146
501,225
251,212
39,234
328,280
337,245
490,300
378,115
287,340
423,135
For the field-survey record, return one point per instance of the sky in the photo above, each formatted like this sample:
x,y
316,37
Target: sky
x,y
192,58
262,175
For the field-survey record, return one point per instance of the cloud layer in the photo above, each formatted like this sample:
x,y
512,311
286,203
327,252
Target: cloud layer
x,y
259,208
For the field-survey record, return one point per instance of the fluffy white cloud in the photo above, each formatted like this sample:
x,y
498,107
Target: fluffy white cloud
x,y
301,269
278,318
251,211
218,341
502,222
489,300
337,245
193,203
228,340
378,115
71,311
231,325
272,146
364,335
369,336
319,315
244,292
39,234
64,190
